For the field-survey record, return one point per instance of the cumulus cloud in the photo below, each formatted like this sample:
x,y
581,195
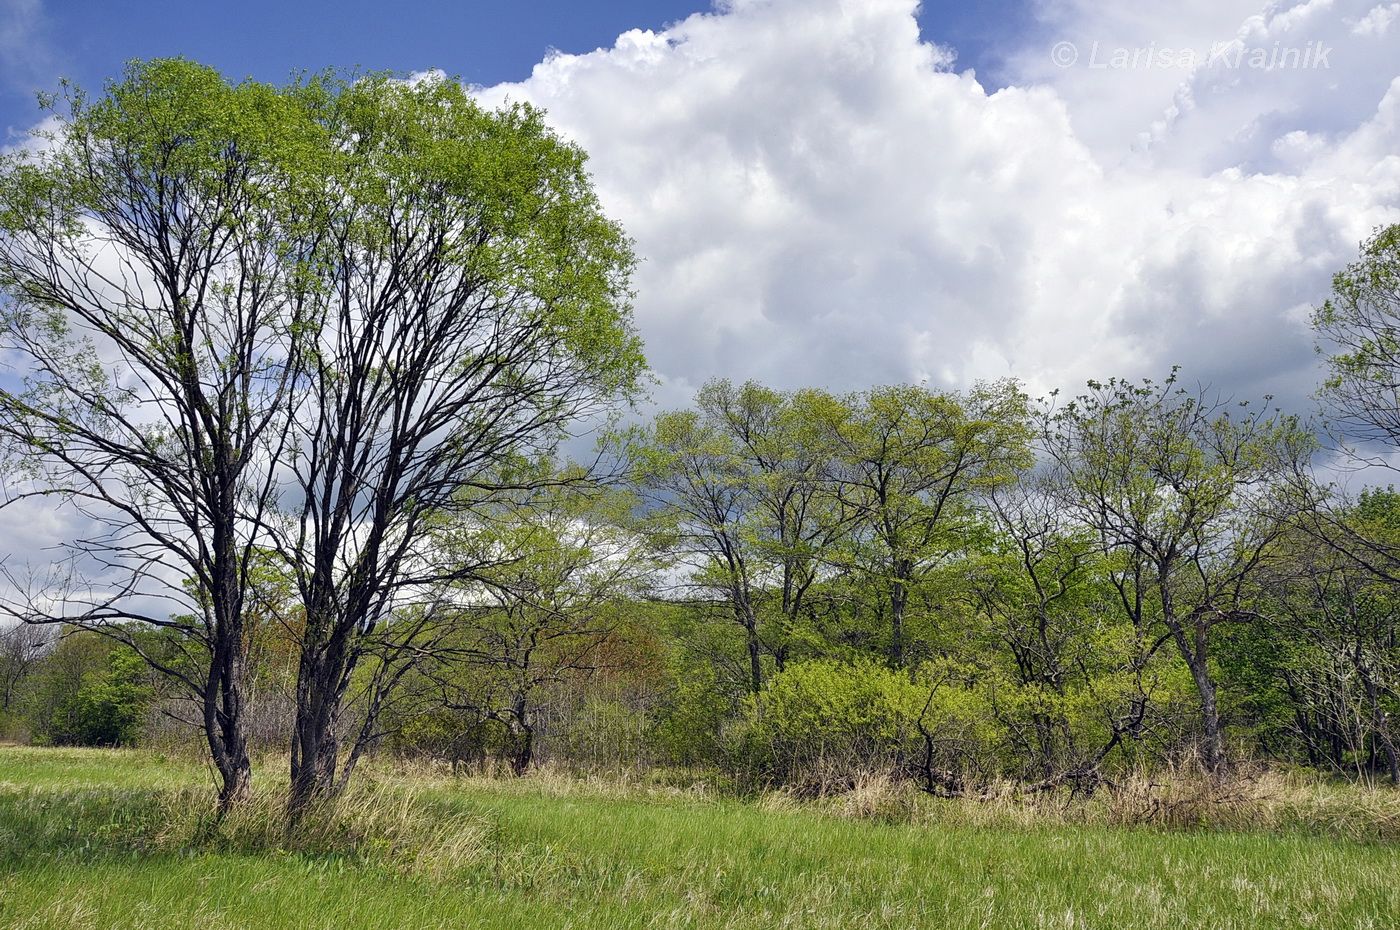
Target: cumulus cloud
x,y
821,198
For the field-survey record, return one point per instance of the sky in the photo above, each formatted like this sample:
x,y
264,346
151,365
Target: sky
x,y
482,43
855,192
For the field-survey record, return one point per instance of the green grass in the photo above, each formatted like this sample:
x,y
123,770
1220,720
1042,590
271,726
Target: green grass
x,y
86,841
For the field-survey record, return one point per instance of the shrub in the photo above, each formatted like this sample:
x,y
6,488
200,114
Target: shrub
x,y
690,720
91,693
825,724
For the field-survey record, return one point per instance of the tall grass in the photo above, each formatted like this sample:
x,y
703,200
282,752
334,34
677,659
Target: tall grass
x,y
1267,801
419,848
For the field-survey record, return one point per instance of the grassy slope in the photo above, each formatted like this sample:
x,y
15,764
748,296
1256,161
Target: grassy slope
x,y
576,858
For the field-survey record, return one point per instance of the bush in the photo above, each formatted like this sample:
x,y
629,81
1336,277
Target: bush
x,y
103,704
599,733
459,737
688,724
826,724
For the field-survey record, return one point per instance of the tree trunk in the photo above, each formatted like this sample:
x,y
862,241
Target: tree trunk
x,y
1194,652
1380,725
237,783
229,749
899,597
524,740
1212,735
743,610
314,754
224,725
755,660
315,742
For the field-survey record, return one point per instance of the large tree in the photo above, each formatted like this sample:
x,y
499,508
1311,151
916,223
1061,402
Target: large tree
x,y
470,305
909,463
149,266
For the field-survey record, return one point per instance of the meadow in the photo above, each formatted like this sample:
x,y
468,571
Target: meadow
x,y
105,838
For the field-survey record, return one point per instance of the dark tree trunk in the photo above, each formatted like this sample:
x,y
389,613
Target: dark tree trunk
x,y
315,741
314,754
755,661
899,598
522,728
1380,725
225,733
1212,734
225,726
743,608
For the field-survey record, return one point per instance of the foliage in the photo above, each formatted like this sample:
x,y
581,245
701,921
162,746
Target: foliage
x,y
825,720
1359,328
90,692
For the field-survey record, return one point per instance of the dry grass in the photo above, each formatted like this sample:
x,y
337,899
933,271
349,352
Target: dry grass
x,y
1179,799
397,827
1182,797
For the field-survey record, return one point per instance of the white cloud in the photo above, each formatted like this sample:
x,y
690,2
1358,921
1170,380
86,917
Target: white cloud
x,y
1377,20
1113,108
820,200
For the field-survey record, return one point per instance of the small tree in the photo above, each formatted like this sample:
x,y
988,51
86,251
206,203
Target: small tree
x,y
21,649
740,484
796,520
563,565
1335,646
689,470
1359,329
1049,604
1187,488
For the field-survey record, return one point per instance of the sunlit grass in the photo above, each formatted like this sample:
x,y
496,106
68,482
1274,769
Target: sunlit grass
x,y
98,839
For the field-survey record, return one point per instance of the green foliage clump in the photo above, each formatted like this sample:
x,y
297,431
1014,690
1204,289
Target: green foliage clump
x,y
689,723
826,721
103,704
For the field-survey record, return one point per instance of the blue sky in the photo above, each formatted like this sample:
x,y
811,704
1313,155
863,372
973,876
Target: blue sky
x,y
482,42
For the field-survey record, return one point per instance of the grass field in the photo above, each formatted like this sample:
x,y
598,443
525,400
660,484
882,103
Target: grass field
x,y
119,839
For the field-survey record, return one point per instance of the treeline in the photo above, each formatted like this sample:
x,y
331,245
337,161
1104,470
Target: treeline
x,y
955,587
299,362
